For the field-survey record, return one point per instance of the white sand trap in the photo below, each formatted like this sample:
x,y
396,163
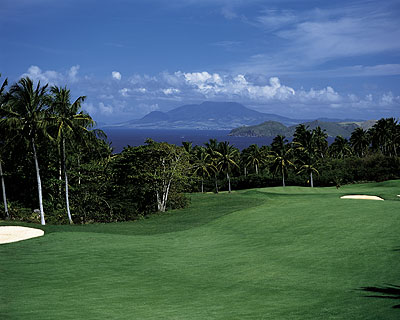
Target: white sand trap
x,y
13,233
361,196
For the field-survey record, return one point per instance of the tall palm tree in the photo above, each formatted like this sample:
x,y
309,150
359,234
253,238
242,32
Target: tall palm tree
x,y
211,147
359,141
203,165
70,124
382,134
280,156
340,148
305,145
25,113
281,162
254,157
227,159
3,141
320,140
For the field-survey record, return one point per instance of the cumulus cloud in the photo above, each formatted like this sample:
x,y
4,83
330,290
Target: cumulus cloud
x,y
73,72
52,77
327,94
36,74
170,91
105,109
116,75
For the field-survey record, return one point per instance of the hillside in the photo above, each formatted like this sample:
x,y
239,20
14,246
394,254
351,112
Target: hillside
x,y
273,128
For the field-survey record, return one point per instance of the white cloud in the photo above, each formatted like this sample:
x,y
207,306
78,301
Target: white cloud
x,y
116,75
52,77
36,74
124,92
389,99
73,72
328,95
170,91
105,109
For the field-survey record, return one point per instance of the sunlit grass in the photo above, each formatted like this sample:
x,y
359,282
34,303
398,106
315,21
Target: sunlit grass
x,y
273,253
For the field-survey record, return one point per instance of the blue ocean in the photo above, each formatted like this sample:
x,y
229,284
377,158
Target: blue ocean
x,y
121,138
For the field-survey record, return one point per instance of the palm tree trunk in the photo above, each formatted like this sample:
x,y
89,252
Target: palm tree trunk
x,y
39,182
245,172
311,180
202,185
256,168
79,170
3,186
229,182
59,176
283,178
216,184
66,184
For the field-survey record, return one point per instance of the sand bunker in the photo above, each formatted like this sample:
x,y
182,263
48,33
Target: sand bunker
x,y
13,233
361,196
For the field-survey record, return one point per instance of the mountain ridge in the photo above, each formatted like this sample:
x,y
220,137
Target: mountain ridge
x,y
209,115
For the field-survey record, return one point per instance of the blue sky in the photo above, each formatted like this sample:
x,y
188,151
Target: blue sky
x,y
301,59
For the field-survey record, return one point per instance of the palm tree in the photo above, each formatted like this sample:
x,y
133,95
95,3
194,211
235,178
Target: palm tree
x,y
280,156
305,142
340,148
254,157
309,168
320,140
202,165
70,124
281,163
279,144
211,147
3,134
227,159
25,113
359,141
382,134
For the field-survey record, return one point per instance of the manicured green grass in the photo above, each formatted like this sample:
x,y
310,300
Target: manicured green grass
x,y
274,253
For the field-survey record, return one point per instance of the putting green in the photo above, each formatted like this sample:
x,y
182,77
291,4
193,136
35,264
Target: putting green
x,y
273,253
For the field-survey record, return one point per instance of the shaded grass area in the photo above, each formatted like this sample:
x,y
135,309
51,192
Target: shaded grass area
x,y
170,221
273,253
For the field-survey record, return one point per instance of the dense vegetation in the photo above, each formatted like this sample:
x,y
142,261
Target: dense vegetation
x,y
52,158
270,253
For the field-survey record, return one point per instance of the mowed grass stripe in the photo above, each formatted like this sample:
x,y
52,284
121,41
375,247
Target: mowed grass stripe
x,y
273,253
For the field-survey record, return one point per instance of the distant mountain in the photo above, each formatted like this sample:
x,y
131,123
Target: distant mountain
x,y
207,115
273,128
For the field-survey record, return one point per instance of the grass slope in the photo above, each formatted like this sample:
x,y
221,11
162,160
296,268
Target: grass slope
x,y
274,253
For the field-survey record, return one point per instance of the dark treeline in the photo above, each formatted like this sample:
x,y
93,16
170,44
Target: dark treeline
x,y
56,167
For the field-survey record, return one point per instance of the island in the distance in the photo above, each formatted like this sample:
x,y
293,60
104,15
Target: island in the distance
x,y
274,128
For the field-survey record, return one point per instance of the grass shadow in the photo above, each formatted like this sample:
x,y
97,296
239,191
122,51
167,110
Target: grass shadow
x,y
389,292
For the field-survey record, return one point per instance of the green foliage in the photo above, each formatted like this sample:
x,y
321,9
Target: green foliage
x,y
83,181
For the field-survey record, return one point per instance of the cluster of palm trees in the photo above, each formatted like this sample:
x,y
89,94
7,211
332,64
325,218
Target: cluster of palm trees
x,y
214,159
303,154
32,114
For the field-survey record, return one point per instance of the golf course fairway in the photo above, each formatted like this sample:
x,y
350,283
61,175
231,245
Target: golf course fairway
x,y
270,253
